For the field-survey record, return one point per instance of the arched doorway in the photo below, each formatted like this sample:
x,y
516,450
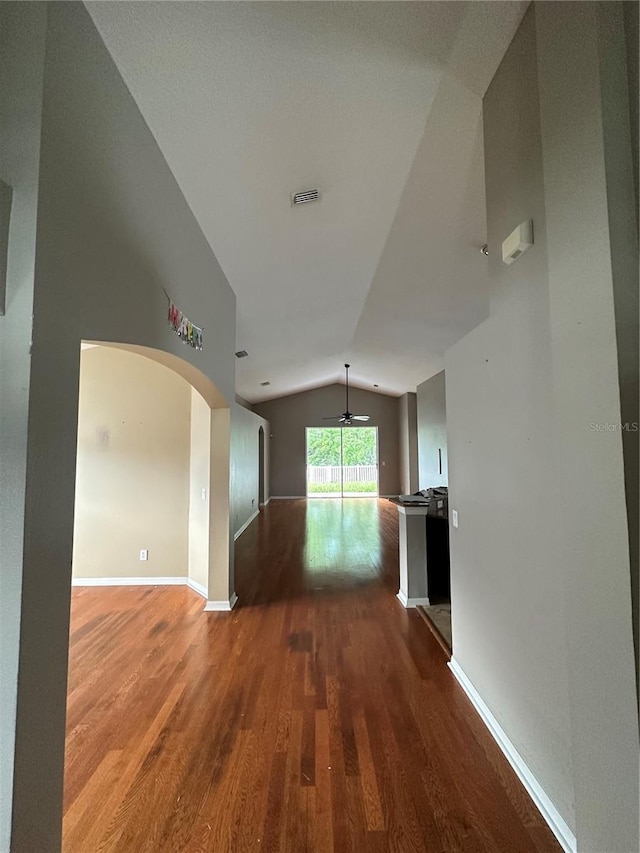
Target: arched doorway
x,y
153,471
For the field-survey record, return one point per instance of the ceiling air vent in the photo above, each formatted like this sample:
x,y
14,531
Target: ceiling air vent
x,y
305,196
242,353
265,384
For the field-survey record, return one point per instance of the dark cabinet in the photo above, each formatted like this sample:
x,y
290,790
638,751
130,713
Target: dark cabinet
x,y
438,572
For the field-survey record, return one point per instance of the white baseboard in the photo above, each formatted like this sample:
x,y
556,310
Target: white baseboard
x,y
264,503
287,497
305,497
129,581
157,581
238,533
223,605
549,812
197,587
411,602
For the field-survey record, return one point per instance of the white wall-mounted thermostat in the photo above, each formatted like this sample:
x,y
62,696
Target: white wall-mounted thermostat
x,y
520,239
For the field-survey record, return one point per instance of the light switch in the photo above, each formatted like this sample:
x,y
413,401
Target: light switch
x,y
204,494
454,517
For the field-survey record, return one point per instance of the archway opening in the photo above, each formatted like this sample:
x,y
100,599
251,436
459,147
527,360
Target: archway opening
x,y
152,473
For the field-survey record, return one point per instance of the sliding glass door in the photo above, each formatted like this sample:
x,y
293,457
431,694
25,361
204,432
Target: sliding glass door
x,y
342,462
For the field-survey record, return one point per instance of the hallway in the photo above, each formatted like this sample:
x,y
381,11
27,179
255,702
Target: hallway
x,y
318,716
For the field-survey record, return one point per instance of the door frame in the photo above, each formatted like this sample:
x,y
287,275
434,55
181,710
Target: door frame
x,y
341,494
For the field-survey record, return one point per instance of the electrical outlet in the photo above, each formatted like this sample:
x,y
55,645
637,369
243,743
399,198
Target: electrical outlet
x,y
144,554
454,517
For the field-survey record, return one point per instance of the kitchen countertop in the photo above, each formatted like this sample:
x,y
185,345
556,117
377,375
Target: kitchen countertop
x,y
430,504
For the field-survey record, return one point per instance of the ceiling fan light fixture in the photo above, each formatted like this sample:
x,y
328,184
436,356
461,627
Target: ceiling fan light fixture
x,y
347,418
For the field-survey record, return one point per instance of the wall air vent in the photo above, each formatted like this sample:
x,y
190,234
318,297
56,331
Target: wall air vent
x,y
264,384
242,353
305,196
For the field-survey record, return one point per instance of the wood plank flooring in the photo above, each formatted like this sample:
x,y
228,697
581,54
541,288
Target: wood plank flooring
x,y
318,717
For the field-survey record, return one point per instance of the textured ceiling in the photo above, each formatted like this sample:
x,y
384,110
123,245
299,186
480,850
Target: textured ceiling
x,y
378,104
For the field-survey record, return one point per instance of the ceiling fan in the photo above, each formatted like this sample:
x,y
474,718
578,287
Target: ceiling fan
x,y
347,417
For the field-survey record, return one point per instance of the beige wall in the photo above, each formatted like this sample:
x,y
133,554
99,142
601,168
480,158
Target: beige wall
x,y
289,416
143,474
132,472
199,490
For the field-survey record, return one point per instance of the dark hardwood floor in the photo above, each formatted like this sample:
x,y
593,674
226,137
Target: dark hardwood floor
x,y
318,717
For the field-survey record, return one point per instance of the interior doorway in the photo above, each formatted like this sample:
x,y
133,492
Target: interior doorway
x,y
342,462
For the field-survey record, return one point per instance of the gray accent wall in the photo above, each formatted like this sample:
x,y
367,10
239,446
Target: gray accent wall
x,y
582,47
620,118
432,432
245,463
113,230
408,439
540,567
631,11
289,416
22,36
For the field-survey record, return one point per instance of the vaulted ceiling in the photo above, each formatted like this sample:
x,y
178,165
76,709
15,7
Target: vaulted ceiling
x,y
378,105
